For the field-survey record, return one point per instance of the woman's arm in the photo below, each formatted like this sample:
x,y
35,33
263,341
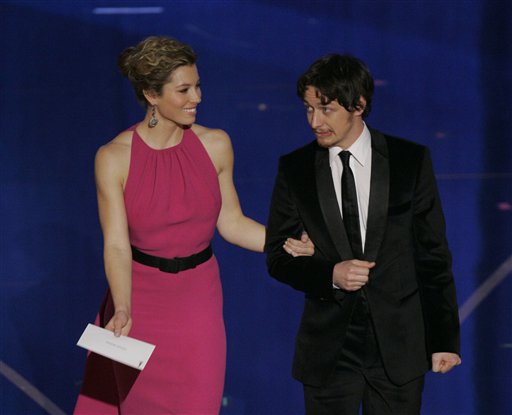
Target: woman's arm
x,y
111,165
232,224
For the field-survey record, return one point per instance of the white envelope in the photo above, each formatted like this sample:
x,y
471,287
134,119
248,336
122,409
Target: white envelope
x,y
123,349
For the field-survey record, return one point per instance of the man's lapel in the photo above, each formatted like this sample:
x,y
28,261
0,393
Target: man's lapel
x,y
329,204
377,207
379,196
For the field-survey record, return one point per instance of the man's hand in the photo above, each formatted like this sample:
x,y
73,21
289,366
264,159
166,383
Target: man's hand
x,y
351,275
443,362
302,247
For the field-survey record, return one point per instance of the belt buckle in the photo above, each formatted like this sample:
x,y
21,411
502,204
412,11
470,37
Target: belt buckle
x,y
173,266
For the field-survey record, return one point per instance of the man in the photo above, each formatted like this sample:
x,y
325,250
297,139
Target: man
x,y
380,306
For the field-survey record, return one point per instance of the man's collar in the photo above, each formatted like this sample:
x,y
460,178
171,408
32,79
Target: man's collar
x,y
360,149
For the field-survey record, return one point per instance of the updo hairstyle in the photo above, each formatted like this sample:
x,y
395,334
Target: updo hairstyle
x,y
150,64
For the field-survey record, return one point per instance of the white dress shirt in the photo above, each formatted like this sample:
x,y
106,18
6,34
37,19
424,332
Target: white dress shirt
x,y
361,165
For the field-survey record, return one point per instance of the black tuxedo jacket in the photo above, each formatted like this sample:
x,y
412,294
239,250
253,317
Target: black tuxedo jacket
x,y
411,291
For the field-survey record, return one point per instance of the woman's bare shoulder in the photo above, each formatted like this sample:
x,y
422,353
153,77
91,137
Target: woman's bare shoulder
x,y
113,158
218,145
117,148
213,138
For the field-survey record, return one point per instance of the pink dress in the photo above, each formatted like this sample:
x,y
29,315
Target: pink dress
x,y
172,201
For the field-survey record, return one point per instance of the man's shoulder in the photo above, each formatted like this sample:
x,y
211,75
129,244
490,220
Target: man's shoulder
x,y
396,145
301,154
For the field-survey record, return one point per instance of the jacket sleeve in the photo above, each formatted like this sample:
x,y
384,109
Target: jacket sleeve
x,y
434,264
312,275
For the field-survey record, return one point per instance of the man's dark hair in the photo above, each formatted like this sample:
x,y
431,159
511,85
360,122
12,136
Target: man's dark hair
x,y
341,78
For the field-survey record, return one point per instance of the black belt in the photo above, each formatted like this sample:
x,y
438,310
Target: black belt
x,y
172,265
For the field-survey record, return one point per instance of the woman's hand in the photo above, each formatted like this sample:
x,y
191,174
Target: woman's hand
x,y
299,247
120,323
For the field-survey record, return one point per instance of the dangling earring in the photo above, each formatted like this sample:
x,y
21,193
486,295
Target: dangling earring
x,y
153,120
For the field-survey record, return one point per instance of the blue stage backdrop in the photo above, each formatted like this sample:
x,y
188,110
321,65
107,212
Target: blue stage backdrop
x,y
443,73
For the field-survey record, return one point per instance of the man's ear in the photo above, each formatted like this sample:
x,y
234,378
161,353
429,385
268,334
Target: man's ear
x,y
361,106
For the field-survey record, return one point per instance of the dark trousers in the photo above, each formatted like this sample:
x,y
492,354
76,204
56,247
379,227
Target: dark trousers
x,y
360,379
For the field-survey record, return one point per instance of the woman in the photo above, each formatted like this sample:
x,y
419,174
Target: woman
x,y
163,186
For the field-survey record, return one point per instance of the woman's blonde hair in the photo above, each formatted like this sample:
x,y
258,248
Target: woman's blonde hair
x,y
150,64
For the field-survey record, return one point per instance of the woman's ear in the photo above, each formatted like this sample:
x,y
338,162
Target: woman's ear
x,y
150,96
